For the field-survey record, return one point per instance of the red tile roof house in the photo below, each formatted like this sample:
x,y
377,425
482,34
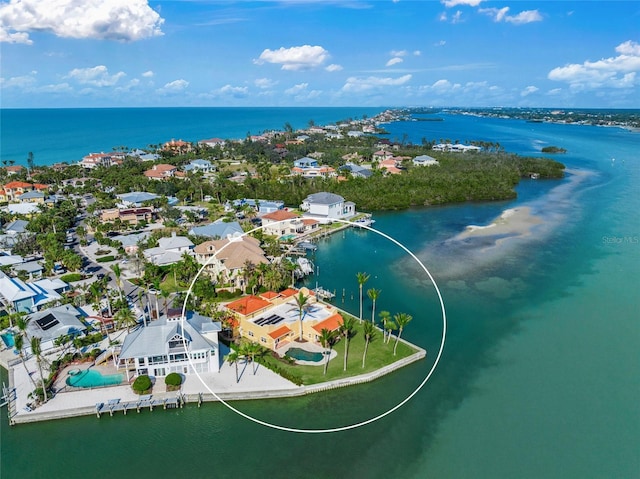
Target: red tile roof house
x,y
13,169
273,320
177,146
14,189
161,172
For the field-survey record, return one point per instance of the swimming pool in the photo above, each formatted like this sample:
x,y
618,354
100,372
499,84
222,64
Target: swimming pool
x,y
90,378
7,339
303,355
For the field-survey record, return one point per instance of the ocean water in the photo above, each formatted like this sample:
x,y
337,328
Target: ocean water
x,y
538,377
66,135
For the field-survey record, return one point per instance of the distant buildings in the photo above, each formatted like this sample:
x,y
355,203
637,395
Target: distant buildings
x,y
94,160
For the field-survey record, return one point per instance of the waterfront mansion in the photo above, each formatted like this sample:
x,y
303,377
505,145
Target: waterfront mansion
x,y
273,319
170,345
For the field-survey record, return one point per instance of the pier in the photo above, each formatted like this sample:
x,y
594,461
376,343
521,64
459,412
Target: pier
x,y
145,401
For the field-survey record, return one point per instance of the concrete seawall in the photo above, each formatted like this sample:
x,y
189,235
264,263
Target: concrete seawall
x,y
187,398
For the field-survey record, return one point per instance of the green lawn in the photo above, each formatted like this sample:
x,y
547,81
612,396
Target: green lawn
x,y
378,355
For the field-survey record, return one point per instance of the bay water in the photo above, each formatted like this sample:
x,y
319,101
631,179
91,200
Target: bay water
x,y
539,373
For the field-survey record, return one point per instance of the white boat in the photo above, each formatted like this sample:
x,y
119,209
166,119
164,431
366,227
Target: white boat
x,y
305,266
364,222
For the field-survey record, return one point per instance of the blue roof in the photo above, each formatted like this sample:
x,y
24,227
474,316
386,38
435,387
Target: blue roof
x,y
218,229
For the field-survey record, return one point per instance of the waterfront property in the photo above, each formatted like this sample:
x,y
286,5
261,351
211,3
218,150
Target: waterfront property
x,y
171,345
273,319
328,206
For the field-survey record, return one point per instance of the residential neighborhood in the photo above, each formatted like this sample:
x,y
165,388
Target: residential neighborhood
x,y
97,257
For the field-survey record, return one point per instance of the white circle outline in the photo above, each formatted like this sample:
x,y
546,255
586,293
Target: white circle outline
x,y
340,428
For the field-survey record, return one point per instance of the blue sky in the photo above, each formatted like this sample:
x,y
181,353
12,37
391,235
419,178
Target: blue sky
x,y
102,53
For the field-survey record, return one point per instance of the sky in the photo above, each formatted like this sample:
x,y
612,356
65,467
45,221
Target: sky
x,y
390,53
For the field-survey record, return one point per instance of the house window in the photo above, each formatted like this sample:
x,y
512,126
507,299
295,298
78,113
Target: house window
x,y
263,339
251,333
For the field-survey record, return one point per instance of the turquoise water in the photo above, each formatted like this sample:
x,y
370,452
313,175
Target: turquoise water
x,y
7,339
539,374
66,135
90,378
297,353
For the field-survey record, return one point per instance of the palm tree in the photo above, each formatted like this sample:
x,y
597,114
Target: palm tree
x,y
18,343
369,334
402,319
301,302
327,338
36,349
125,317
347,332
385,316
117,273
362,278
253,350
233,358
165,296
373,294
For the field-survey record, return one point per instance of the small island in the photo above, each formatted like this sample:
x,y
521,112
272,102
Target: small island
x,y
553,149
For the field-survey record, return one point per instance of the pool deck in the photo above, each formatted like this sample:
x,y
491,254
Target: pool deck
x,y
264,384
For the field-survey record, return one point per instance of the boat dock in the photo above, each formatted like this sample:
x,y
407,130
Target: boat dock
x,y
145,401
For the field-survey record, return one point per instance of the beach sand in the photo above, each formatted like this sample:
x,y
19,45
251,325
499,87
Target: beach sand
x,y
512,222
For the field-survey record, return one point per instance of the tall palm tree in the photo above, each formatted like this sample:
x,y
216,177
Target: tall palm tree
x,y
401,319
384,317
233,358
252,351
301,302
327,338
18,343
373,294
347,332
369,333
165,296
36,349
362,278
118,273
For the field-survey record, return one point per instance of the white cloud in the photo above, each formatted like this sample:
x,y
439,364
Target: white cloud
x,y
23,81
394,61
441,43
355,84
55,88
453,3
95,76
174,86
123,20
234,91
333,67
529,90
304,57
629,48
457,17
296,89
612,72
554,91
264,83
417,53
148,74
399,53
501,15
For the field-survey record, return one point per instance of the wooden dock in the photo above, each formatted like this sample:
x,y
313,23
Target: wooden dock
x,y
146,401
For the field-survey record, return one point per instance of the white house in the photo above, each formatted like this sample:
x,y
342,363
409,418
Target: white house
x,y
425,160
200,165
169,250
171,345
328,206
30,297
